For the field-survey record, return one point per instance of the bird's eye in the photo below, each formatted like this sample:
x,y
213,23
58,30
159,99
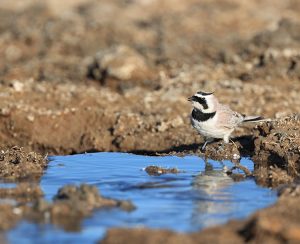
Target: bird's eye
x,y
200,100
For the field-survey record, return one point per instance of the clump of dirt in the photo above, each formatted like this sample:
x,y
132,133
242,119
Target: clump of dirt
x,y
19,164
221,151
238,176
277,152
88,196
69,207
71,204
156,170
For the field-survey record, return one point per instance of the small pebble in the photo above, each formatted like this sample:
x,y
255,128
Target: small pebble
x,y
17,211
236,156
18,86
30,118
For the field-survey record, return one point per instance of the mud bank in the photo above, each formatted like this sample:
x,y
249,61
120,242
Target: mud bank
x,y
97,86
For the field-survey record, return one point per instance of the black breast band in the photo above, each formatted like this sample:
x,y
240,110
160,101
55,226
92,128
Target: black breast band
x,y
200,116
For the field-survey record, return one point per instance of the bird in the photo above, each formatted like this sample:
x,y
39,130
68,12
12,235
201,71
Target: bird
x,y
214,120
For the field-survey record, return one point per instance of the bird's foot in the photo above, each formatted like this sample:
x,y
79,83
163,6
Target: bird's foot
x,y
221,146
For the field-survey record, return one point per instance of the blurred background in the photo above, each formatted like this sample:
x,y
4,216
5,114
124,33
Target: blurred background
x,y
114,75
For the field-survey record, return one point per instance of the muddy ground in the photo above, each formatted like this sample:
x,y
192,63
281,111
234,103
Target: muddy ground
x,y
115,75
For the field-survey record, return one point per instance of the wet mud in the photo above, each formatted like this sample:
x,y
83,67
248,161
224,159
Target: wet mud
x,y
74,78
18,164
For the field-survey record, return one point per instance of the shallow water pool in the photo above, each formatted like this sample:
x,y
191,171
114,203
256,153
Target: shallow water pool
x,y
189,201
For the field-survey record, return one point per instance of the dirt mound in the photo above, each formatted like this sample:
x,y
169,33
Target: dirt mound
x,y
277,150
70,205
18,164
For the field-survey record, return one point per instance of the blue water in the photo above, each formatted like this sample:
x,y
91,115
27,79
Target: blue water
x,y
184,202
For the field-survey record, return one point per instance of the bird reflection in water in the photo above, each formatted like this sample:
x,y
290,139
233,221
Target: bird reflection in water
x,y
212,198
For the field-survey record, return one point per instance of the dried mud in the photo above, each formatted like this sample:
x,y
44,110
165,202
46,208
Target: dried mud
x,y
88,76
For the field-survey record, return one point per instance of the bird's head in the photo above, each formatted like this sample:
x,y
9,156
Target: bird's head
x,y
203,101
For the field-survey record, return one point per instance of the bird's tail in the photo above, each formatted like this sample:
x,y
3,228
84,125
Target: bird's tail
x,y
253,119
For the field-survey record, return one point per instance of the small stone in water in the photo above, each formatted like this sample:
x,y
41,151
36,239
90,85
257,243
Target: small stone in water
x,y
155,170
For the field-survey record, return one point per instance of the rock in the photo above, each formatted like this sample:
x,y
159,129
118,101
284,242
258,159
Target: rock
x,y
17,86
156,170
120,63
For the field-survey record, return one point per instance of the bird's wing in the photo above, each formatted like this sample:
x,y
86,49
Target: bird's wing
x,y
228,118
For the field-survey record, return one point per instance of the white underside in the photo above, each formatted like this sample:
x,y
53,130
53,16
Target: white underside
x,y
210,130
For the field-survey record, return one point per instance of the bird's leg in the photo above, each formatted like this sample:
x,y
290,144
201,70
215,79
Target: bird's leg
x,y
224,142
204,146
207,140
221,146
226,139
208,167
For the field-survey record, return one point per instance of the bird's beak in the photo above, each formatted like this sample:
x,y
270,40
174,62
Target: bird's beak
x,y
190,99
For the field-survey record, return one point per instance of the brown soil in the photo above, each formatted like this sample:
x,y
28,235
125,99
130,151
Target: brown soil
x,y
277,153
18,164
74,78
114,76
